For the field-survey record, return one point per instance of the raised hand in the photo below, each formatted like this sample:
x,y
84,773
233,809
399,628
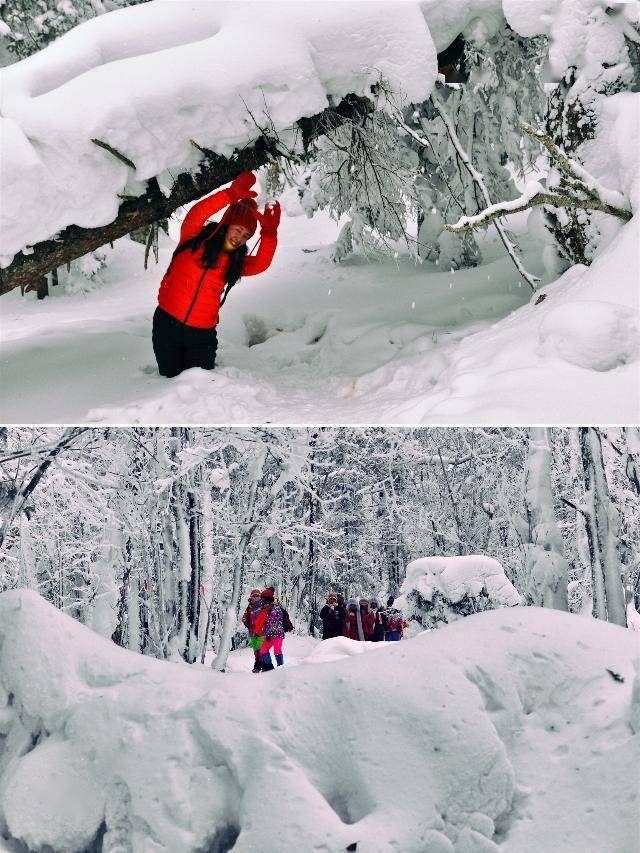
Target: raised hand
x,y
241,187
271,218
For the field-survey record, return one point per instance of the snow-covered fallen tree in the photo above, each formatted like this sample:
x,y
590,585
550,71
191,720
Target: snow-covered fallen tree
x,y
450,742
437,590
95,122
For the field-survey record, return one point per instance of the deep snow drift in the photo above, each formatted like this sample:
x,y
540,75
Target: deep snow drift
x,y
509,731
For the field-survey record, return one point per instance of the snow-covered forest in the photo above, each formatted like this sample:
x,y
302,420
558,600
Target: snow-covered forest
x,y
458,182
512,554
154,536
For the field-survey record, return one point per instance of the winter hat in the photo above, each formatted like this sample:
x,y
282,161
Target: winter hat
x,y
243,213
332,597
255,593
373,601
352,602
364,601
268,593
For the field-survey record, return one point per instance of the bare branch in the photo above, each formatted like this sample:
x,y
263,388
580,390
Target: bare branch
x,y
115,153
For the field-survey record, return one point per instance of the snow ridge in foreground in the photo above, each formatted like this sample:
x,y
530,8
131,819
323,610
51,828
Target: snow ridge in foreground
x,y
503,732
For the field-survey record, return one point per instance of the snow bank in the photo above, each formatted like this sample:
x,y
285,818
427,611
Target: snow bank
x,y
451,742
184,70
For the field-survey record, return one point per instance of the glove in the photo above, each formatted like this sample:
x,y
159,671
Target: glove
x,y
241,187
270,218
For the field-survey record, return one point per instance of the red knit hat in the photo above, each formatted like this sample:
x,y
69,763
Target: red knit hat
x,y
243,213
255,593
268,594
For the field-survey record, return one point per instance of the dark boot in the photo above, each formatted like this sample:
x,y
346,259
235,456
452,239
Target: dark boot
x,y
280,660
267,663
257,663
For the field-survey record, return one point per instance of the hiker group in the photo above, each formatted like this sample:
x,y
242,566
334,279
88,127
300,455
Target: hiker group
x,y
361,619
267,622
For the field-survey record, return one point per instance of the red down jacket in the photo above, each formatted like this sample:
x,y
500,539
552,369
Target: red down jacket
x,y
191,293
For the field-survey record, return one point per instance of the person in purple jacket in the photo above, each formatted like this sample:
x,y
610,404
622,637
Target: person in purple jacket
x,y
273,630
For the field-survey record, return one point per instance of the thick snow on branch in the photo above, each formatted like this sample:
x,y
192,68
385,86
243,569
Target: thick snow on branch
x,y
408,748
147,79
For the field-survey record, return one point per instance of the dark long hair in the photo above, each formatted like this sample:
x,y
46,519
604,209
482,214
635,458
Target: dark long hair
x,y
213,236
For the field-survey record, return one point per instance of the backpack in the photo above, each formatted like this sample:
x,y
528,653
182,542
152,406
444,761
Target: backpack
x,y
287,624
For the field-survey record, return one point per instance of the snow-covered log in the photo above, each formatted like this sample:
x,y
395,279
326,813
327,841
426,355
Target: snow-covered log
x,y
97,129
139,211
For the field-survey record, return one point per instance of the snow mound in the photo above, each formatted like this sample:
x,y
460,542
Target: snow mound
x,y
450,742
168,82
338,648
591,334
457,577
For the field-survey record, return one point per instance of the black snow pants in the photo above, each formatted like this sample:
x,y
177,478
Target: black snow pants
x,y
178,347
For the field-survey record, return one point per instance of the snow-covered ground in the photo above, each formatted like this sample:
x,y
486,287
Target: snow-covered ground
x,y
512,731
310,341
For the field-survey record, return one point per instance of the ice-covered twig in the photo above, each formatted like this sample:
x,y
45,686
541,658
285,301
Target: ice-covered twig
x,y
577,189
478,180
614,201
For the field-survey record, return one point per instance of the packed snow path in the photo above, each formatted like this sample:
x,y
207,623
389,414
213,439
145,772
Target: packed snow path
x,y
310,341
512,731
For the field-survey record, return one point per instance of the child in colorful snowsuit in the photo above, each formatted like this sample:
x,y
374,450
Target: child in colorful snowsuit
x,y
250,619
273,630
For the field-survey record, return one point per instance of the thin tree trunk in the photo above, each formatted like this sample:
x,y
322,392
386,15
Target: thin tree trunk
x,y
602,522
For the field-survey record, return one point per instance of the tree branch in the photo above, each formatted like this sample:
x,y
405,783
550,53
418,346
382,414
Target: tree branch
x,y
526,201
74,242
577,189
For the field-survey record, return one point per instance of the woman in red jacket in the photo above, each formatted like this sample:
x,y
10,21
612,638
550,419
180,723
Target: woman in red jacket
x,y
209,258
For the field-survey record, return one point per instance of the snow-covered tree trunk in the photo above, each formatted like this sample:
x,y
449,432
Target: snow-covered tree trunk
x,y
602,528
546,567
27,579
133,613
103,611
231,612
183,558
